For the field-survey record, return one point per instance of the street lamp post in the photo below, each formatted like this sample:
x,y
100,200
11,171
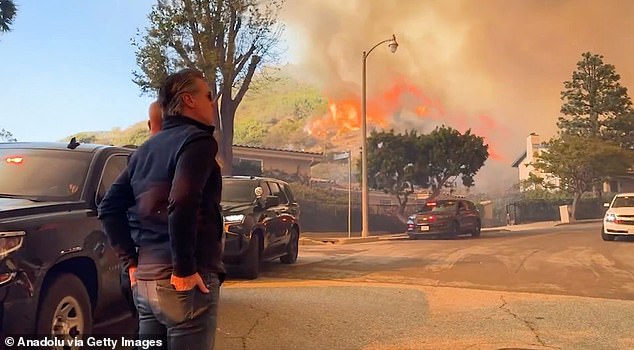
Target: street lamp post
x,y
364,143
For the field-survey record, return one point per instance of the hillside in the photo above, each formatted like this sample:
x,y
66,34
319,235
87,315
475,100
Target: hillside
x,y
274,113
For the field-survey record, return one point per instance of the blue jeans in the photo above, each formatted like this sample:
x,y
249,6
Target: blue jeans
x,y
186,319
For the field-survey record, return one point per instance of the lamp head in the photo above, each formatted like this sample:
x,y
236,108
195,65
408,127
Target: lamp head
x,y
393,44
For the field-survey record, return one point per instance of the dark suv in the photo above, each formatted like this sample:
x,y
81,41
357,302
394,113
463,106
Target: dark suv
x,y
447,218
58,274
261,222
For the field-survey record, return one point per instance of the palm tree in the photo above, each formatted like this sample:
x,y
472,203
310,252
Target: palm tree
x,y
7,14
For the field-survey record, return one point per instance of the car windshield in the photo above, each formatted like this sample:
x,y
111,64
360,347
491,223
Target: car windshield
x,y
238,191
42,174
439,206
621,202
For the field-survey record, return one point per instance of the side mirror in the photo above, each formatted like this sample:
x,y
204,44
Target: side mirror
x,y
271,201
606,205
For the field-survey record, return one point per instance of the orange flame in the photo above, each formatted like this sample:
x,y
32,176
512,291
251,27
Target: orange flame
x,y
402,96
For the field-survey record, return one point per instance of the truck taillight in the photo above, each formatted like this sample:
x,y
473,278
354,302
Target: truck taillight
x,y
14,160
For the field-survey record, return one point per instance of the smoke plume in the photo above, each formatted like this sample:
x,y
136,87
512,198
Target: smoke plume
x,y
495,66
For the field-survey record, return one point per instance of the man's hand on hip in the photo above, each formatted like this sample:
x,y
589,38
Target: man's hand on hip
x,y
189,282
132,275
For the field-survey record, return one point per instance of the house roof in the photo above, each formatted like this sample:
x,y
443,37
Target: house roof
x,y
519,160
256,152
278,149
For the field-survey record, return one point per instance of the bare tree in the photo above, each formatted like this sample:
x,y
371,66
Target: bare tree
x,y
228,40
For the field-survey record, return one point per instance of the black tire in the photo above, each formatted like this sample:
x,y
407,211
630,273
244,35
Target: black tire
x,y
476,230
250,267
65,310
292,249
455,231
606,236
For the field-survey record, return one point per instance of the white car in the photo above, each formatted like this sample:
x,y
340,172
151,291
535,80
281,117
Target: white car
x,y
619,218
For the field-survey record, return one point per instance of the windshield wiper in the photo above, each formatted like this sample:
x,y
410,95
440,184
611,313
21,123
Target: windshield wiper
x,y
17,196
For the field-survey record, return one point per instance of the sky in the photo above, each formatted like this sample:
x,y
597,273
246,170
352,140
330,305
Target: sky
x,y
495,66
67,67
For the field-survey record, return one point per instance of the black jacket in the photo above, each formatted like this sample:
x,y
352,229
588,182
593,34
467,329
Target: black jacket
x,y
172,188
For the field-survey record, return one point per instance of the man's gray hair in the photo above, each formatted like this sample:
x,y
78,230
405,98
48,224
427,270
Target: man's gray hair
x,y
170,92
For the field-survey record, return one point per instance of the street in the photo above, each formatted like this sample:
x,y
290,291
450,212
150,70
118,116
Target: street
x,y
556,288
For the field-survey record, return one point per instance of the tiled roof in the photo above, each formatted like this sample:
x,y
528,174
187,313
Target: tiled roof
x,y
280,150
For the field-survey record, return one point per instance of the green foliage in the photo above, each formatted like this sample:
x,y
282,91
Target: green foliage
x,y
595,104
546,194
536,183
396,163
7,136
399,163
277,94
288,134
133,135
452,155
581,162
276,112
7,14
319,195
250,132
621,130
225,39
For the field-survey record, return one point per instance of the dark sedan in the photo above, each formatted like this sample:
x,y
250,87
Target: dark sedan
x,y
445,218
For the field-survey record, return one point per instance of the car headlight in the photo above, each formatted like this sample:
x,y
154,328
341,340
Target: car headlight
x,y
234,218
10,241
610,217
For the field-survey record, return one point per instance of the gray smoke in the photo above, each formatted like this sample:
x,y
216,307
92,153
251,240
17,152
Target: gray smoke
x,y
497,66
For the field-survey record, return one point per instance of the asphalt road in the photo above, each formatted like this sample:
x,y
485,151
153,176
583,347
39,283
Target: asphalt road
x,y
561,288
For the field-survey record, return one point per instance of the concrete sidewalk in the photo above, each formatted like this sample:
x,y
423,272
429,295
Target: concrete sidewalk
x,y
312,238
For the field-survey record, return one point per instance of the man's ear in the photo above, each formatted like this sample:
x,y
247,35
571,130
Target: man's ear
x,y
188,100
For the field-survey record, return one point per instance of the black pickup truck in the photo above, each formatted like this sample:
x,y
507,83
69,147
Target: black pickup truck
x,y
58,274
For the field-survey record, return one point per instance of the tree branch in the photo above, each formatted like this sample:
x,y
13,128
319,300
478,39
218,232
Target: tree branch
x,y
192,24
255,60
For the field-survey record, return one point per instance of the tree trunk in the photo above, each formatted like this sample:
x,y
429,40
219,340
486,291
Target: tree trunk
x,y
573,209
225,147
401,204
401,208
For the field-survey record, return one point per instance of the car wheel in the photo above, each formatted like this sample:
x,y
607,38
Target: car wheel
x,y
455,230
606,236
250,267
292,249
476,230
65,309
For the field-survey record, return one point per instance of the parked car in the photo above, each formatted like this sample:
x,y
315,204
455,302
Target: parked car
x,y
619,217
261,222
446,218
58,274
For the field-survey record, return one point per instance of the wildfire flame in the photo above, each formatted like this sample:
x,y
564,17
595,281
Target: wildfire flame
x,y
401,97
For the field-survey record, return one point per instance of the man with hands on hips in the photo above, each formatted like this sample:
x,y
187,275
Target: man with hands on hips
x,y
172,185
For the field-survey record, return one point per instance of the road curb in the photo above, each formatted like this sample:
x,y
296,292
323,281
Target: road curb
x,y
357,240
579,222
338,241
494,230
